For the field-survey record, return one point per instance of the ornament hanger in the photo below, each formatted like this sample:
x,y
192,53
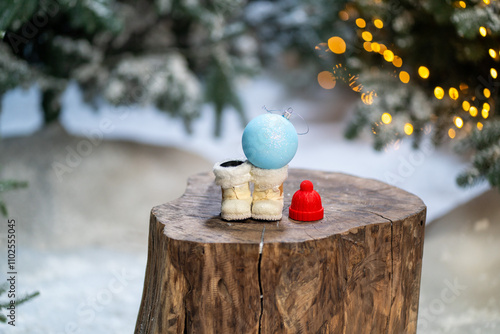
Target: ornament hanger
x,y
288,113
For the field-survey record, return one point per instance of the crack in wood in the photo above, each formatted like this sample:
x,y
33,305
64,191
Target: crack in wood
x,y
185,320
261,296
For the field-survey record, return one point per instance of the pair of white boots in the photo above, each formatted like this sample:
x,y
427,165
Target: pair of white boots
x,y
234,177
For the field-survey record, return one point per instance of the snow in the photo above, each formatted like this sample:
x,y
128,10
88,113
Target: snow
x,y
81,291
92,290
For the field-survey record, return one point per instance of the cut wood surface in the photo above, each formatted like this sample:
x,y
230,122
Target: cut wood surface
x,y
355,271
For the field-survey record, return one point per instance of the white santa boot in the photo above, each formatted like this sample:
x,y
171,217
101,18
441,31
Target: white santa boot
x,y
268,192
234,178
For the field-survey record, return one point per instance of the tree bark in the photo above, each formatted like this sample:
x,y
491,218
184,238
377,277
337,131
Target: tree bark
x,y
355,271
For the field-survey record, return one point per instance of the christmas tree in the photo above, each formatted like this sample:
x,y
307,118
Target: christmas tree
x,y
171,54
423,69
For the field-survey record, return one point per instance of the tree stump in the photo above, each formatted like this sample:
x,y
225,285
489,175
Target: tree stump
x,y
355,271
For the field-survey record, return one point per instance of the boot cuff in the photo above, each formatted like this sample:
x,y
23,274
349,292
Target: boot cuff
x,y
269,178
231,173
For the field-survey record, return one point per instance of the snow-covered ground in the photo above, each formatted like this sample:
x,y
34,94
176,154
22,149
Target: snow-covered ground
x,y
82,291
98,290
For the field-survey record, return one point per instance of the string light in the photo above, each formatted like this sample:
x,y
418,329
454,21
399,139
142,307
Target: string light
x,y
486,2
453,92
466,105
378,23
492,53
408,129
439,92
482,31
479,126
353,83
326,80
375,47
367,97
360,23
423,72
493,73
463,87
462,4
486,93
383,48
337,45
451,133
404,77
398,62
367,36
386,118
458,122
343,15
388,56
486,110
473,111
367,46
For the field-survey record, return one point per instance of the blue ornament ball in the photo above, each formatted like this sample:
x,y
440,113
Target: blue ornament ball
x,y
270,141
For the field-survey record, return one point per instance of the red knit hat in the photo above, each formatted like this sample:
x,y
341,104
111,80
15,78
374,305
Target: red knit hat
x,y
306,204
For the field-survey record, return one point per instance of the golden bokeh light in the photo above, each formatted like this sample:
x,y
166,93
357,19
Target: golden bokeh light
x,y
408,129
453,92
386,118
367,97
492,53
354,84
479,126
486,2
375,47
473,111
398,62
360,23
463,87
482,31
367,36
466,105
404,77
485,113
493,73
462,4
383,48
326,80
378,23
452,133
459,122
388,56
486,106
439,92
423,72
486,93
343,15
367,46
337,45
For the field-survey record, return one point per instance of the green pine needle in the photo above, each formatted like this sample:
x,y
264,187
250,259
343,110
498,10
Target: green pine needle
x,y
20,301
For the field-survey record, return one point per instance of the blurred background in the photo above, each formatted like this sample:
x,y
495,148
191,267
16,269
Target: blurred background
x,y
108,106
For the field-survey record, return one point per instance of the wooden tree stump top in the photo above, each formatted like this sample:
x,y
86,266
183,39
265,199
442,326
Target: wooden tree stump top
x,y
355,271
349,202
